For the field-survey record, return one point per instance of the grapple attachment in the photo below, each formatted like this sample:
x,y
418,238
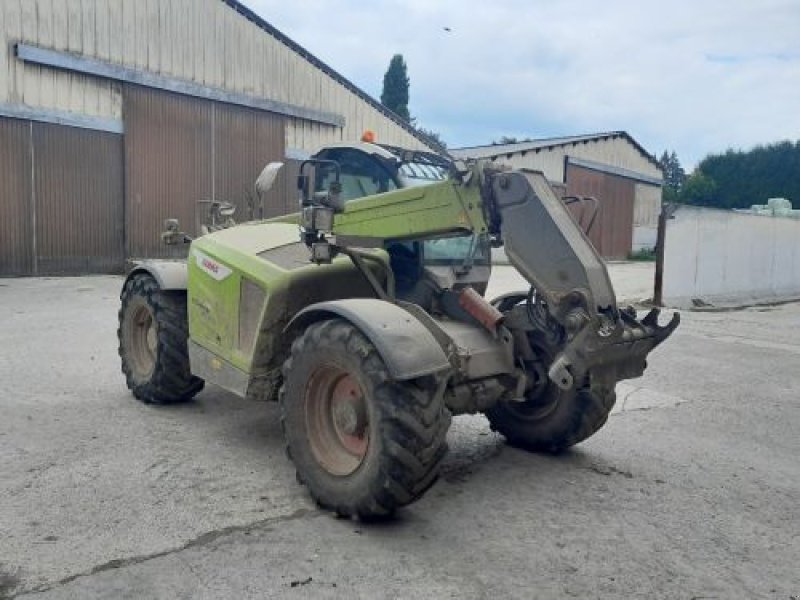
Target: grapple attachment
x,y
570,281
617,353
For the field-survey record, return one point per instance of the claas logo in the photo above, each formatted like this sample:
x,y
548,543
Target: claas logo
x,y
210,265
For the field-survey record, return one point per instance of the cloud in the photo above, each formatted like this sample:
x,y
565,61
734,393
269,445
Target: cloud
x,y
696,77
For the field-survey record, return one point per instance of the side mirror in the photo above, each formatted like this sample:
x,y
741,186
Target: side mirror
x,y
172,233
267,177
303,182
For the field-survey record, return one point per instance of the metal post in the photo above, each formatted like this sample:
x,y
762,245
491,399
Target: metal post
x,y
667,210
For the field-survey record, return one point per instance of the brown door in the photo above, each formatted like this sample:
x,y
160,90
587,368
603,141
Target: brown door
x,y
61,200
168,165
180,151
16,215
612,233
78,195
245,140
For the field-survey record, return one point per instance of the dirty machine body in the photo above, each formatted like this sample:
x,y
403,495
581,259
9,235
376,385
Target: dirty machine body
x,y
363,314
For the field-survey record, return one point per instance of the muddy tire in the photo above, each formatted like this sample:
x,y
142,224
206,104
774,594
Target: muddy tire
x,y
553,421
363,445
153,330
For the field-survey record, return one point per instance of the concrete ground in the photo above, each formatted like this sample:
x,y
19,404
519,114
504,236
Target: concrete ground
x,y
689,491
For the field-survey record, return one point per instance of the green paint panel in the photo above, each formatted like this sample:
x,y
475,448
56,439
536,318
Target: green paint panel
x,y
218,261
413,213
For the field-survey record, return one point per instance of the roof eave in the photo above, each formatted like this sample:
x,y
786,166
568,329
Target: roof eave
x,y
535,145
254,18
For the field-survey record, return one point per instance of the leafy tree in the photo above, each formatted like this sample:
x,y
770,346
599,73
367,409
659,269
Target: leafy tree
x,y
395,87
738,178
670,196
433,138
674,176
700,190
744,178
395,98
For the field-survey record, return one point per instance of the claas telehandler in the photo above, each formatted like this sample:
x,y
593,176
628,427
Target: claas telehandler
x,y
364,316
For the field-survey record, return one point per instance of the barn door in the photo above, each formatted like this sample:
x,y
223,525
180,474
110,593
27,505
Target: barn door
x,y
612,233
78,195
61,200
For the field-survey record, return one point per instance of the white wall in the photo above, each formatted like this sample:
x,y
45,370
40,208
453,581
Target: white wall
x,y
723,258
644,237
646,208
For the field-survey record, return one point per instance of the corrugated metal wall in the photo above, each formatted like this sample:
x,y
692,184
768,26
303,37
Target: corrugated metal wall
x,y
614,152
79,26
179,151
612,234
60,199
78,194
168,166
286,184
64,193
202,41
245,140
16,216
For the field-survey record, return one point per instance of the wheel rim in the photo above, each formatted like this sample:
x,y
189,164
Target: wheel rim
x,y
143,340
337,420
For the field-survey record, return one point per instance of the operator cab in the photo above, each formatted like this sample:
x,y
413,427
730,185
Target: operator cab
x,y
422,268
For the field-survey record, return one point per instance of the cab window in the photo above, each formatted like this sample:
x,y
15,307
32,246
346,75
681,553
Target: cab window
x,y
457,250
361,174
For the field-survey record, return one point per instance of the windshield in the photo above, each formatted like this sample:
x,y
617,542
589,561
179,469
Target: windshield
x,y
458,250
414,174
364,174
455,250
361,174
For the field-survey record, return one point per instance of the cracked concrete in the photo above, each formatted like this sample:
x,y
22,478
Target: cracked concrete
x,y
636,397
202,540
689,490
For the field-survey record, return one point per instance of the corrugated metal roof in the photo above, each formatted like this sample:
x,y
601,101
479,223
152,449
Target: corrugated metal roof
x,y
347,84
497,150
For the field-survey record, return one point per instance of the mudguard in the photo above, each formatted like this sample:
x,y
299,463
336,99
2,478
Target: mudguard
x,y
169,274
407,347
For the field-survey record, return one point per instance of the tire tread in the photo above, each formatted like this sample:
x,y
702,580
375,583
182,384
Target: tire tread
x,y
413,422
171,381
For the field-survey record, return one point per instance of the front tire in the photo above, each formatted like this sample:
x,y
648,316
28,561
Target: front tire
x,y
363,445
153,332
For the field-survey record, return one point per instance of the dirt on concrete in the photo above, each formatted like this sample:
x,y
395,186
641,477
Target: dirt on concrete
x,y
689,491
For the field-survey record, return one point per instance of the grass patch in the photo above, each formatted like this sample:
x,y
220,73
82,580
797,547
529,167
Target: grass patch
x,y
644,255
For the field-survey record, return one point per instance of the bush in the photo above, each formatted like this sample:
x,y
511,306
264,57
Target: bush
x,y
643,254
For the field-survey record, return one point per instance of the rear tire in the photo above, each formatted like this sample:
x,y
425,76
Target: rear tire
x,y
555,421
363,445
153,332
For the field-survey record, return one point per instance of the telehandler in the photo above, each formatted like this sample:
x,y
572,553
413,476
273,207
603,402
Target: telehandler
x,y
363,315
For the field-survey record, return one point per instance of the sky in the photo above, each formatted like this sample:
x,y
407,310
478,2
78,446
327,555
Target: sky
x,y
693,76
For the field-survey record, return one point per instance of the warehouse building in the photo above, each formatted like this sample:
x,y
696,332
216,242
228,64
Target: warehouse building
x,y
117,114
612,167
